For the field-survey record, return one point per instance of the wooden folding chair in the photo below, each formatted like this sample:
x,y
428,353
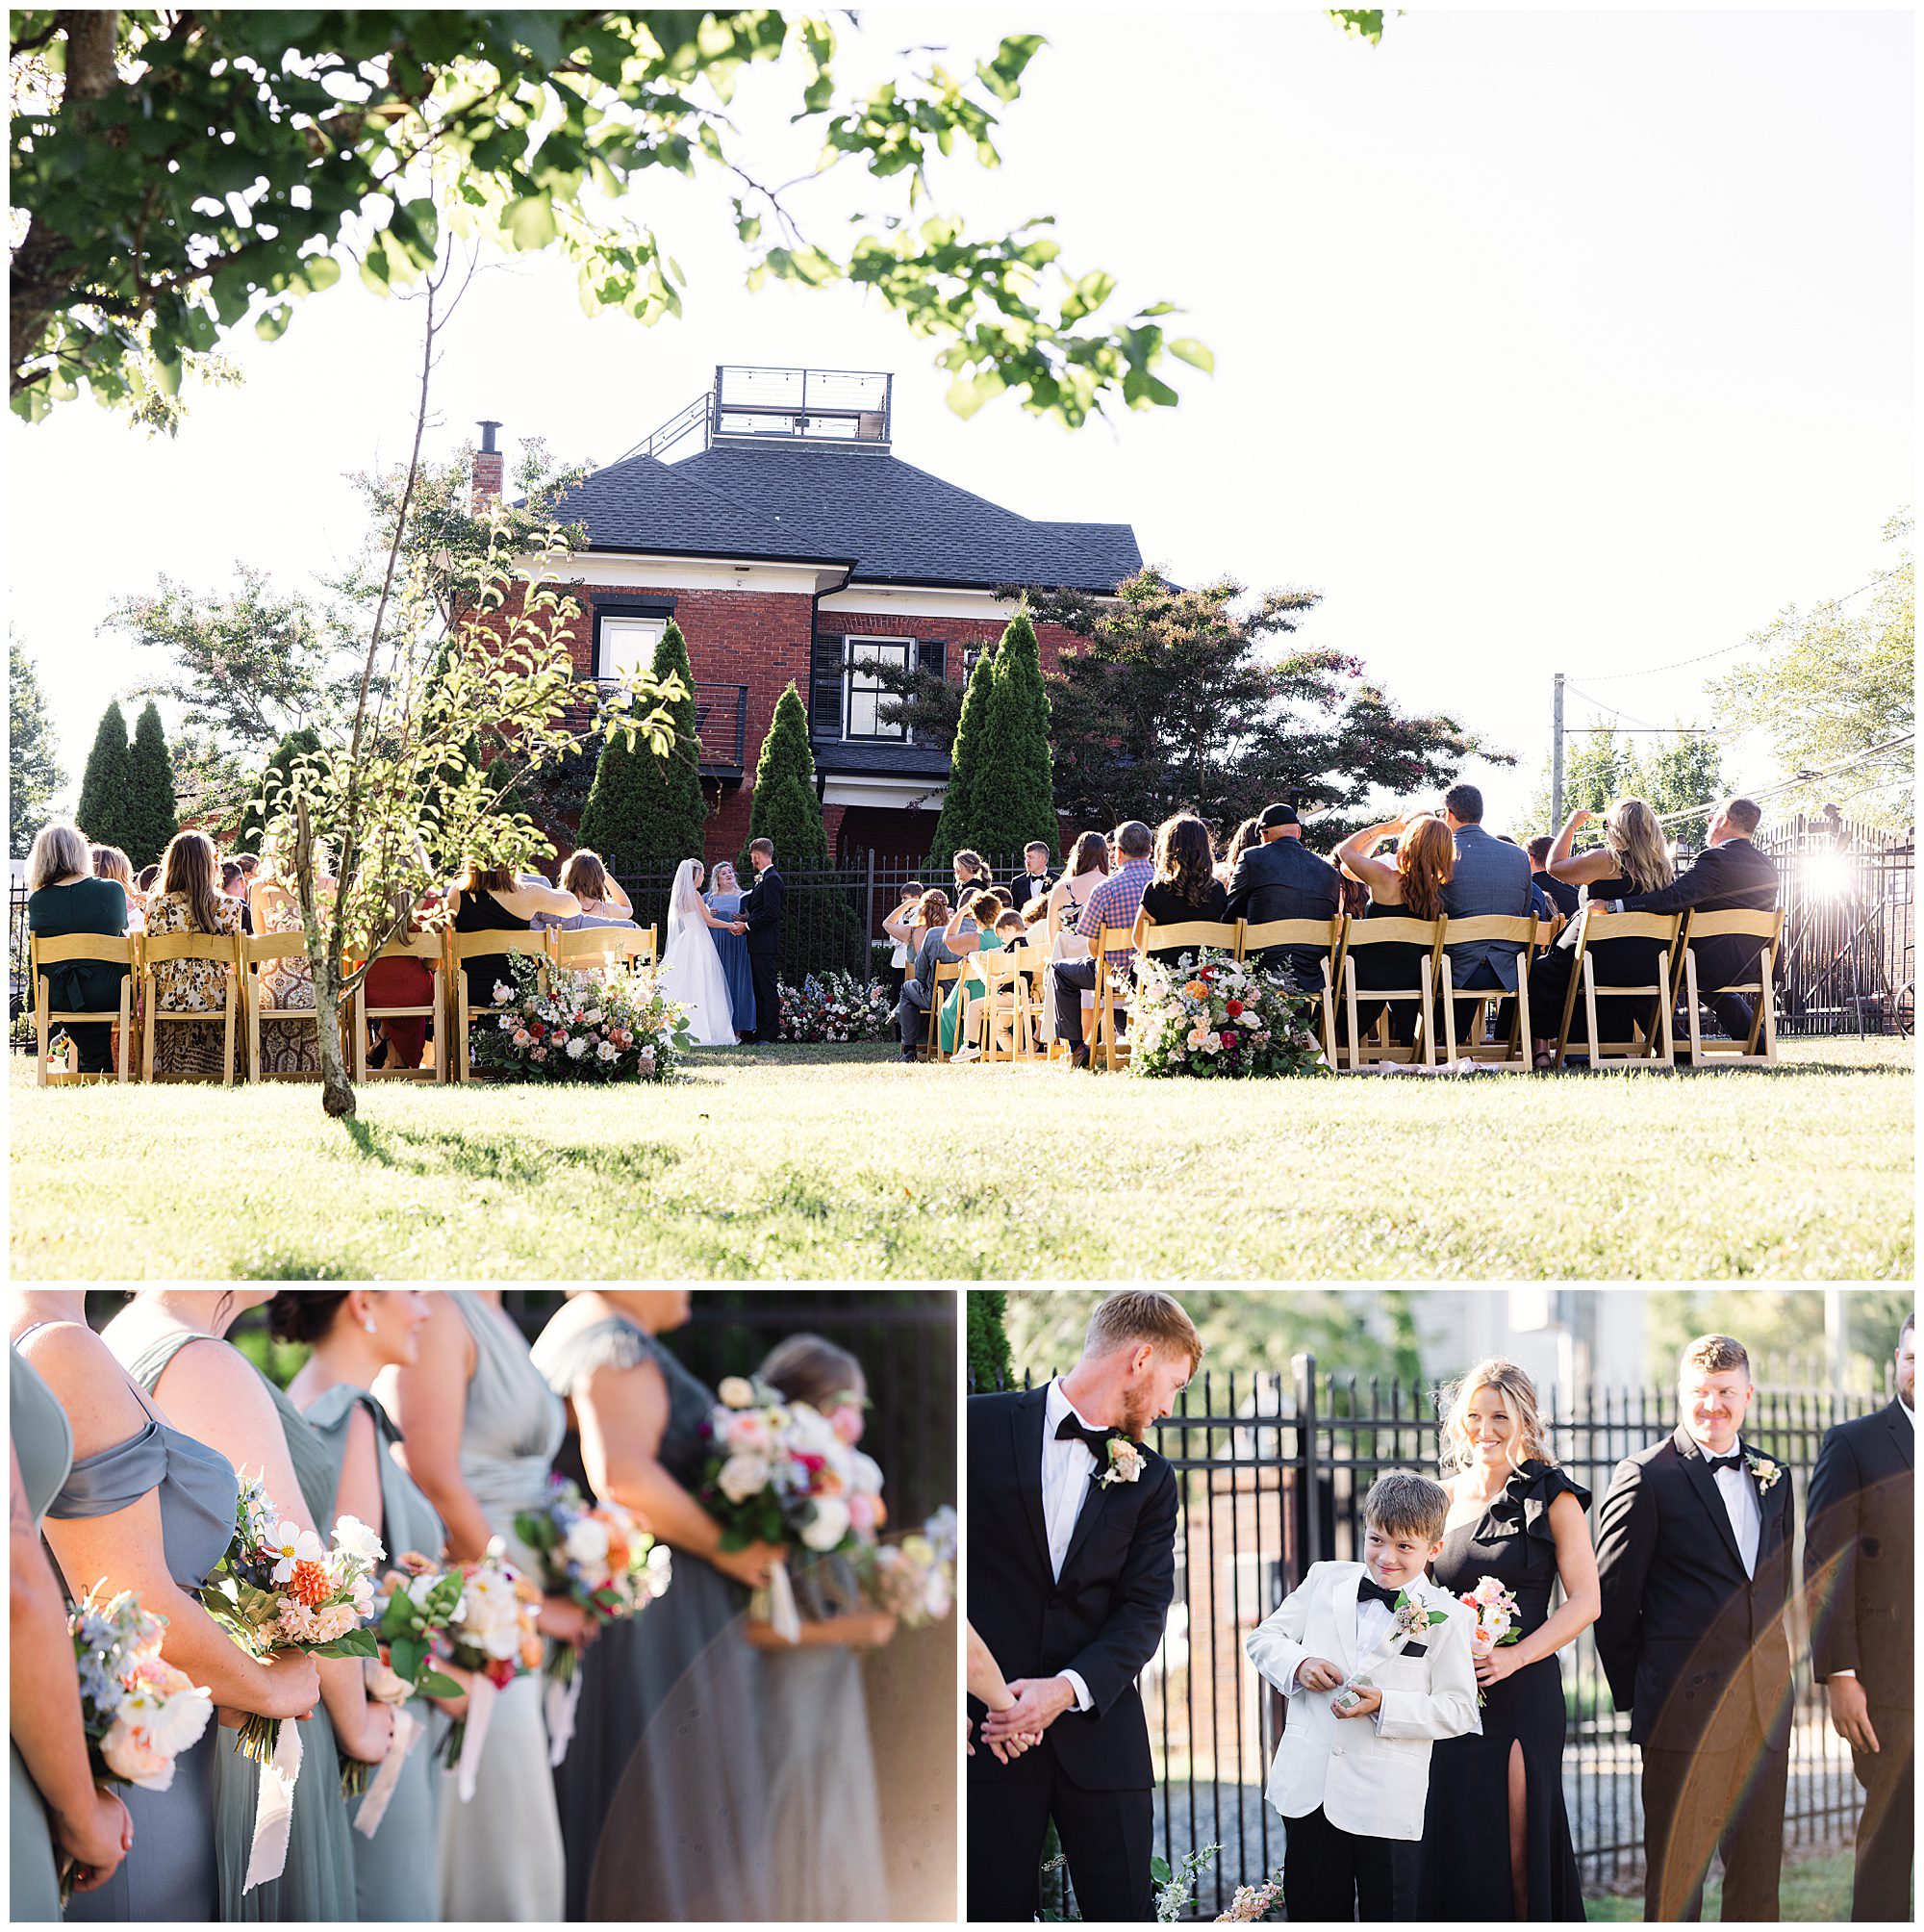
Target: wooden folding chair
x,y
1191,936
43,950
1005,1018
465,946
1767,926
1109,1050
256,950
1658,1049
594,946
1516,1049
943,978
1364,933
1329,934
431,949
225,949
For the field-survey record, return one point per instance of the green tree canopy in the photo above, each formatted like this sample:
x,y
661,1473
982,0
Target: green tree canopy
x,y
1836,687
1680,771
152,817
954,824
648,812
103,810
180,171
270,782
34,772
1013,800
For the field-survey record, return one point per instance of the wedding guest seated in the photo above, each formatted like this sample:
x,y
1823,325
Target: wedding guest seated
x,y
1245,835
602,900
1632,858
1185,889
191,901
900,928
63,898
970,930
1356,894
1114,904
402,1041
1408,885
1087,868
1490,881
286,1045
111,862
1729,875
495,898
145,881
1014,927
1277,878
235,879
1558,892
926,951
1032,882
1539,903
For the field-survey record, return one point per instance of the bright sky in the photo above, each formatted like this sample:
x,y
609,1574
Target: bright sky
x,y
1577,341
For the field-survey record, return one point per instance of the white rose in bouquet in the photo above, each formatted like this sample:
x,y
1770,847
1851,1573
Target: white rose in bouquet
x,y
736,1392
356,1539
742,1477
587,1542
828,1525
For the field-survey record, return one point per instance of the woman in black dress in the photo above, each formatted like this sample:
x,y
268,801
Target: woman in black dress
x,y
1408,885
1496,1840
1185,888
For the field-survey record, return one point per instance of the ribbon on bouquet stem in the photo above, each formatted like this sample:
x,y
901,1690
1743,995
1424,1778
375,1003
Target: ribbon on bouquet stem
x,y
481,1696
558,1704
274,1812
408,1731
782,1612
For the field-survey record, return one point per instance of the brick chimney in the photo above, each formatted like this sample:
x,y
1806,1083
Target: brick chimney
x,y
487,471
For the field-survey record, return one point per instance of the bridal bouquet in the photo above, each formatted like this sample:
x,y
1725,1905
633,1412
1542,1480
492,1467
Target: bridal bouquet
x,y
1217,1018
278,1588
1495,1610
414,1603
139,1712
914,1581
595,1553
602,1025
492,1635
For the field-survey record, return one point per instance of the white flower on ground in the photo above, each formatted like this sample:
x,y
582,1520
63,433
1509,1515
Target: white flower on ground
x,y
606,1051
577,1048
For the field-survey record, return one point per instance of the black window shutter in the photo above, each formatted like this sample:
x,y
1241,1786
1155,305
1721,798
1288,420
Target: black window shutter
x,y
931,653
825,719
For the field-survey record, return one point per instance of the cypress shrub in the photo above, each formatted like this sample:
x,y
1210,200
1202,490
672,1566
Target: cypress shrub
x,y
152,808
648,812
1012,797
103,814
254,820
990,1366
954,825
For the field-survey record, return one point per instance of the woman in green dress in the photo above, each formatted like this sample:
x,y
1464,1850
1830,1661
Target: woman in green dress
x,y
173,1341
354,1335
971,929
147,1508
482,1429
55,1811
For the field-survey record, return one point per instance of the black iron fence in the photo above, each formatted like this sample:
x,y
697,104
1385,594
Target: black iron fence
x,y
1848,964
1274,1469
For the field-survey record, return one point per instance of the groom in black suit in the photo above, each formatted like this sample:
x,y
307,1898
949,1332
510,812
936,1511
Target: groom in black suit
x,y
1859,1551
1072,1566
761,921
1693,1558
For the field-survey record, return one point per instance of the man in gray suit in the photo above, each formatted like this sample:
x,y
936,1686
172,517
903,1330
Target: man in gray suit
x,y
1491,879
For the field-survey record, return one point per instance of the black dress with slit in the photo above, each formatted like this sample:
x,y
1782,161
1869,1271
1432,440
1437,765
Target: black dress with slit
x,y
1465,1852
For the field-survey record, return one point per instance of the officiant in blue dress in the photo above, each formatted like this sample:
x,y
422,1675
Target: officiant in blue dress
x,y
725,902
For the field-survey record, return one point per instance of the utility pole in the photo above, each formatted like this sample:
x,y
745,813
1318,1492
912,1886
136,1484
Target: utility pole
x,y
1557,753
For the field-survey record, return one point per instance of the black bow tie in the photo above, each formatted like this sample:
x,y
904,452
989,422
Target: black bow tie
x,y
1715,1463
1368,1592
1097,1440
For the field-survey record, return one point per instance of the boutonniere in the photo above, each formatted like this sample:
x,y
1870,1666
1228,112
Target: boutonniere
x,y
1125,1462
1410,1620
1763,1469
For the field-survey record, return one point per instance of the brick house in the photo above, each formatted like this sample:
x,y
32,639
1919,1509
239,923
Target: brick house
x,y
792,543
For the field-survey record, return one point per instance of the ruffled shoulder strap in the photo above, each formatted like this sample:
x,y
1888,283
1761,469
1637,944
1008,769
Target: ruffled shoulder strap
x,y
612,1342
1544,1483
114,1479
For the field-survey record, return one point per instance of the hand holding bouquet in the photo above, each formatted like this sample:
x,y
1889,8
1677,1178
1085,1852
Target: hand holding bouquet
x,y
277,1589
1495,1610
139,1712
414,1603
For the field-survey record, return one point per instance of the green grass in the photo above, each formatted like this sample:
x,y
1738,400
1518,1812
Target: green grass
x,y
838,1161
1819,1888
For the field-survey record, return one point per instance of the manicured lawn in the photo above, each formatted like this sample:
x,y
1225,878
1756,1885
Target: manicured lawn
x,y
838,1161
1819,1888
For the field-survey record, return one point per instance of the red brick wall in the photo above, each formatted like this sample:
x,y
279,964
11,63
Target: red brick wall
x,y
1051,638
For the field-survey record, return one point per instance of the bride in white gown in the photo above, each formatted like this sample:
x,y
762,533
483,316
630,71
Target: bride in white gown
x,y
691,970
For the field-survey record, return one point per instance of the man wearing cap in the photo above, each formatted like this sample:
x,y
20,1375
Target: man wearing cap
x,y
1279,880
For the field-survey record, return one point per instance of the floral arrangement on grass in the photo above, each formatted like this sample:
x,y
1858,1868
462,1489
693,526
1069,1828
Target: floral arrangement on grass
x,y
138,1711
1219,1018
278,1588
606,1023
834,1008
914,1581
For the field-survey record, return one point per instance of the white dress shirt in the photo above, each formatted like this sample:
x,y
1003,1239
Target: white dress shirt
x,y
1738,1490
1067,1468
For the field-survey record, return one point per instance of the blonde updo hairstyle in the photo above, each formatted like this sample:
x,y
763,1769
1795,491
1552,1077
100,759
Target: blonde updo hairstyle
x,y
1529,1440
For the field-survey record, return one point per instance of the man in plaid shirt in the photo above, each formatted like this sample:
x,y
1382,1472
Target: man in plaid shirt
x,y
1114,904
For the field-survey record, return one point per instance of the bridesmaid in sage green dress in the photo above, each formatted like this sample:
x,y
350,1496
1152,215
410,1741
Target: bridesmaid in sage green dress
x,y
171,1340
481,1431
679,1806
42,1661
150,1511
354,1335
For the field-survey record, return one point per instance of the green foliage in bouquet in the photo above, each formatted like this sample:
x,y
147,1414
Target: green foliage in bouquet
x,y
1219,1018
404,1628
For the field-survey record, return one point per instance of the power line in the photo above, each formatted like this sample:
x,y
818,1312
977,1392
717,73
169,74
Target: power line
x,y
1802,778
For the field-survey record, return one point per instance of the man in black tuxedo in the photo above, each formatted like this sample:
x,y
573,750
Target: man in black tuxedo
x,y
1279,879
1072,1566
1859,1550
1729,875
1033,877
1693,1558
761,921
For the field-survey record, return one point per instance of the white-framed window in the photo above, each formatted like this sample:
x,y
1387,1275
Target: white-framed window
x,y
625,645
862,695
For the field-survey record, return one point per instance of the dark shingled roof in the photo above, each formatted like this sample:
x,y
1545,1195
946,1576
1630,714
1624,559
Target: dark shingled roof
x,y
890,759
895,523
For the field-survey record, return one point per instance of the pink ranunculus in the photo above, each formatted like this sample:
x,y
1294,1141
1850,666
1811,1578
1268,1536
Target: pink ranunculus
x,y
131,1753
861,1514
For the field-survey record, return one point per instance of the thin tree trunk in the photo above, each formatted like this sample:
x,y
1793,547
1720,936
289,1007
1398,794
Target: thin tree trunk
x,y
323,955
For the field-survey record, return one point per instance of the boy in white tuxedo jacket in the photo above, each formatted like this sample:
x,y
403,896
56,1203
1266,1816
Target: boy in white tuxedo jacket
x,y
1368,1693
